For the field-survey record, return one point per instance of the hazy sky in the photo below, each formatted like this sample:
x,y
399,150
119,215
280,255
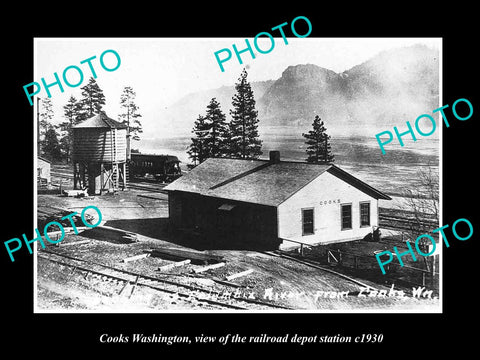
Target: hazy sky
x,y
162,70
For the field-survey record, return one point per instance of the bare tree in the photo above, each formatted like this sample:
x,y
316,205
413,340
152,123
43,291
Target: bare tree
x,y
423,200
422,206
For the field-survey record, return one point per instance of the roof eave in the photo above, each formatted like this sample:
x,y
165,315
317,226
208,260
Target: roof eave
x,y
223,198
359,184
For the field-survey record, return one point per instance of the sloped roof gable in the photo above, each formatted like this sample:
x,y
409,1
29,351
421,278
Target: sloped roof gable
x,y
259,181
100,120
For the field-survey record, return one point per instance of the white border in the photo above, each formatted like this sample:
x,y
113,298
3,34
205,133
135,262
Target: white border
x,y
35,187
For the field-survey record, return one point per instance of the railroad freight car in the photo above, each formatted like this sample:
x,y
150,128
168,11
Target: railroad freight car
x,y
165,168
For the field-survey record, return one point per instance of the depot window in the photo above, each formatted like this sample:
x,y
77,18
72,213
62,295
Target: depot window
x,y
307,222
365,214
346,214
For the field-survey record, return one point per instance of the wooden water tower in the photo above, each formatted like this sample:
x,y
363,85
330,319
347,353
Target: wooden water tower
x,y
99,155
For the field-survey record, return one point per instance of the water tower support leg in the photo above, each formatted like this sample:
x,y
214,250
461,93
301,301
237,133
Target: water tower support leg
x,y
102,170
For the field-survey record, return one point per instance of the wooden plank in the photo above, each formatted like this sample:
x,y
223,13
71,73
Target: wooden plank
x,y
123,288
197,257
133,287
223,282
331,254
66,230
240,274
73,193
114,234
209,267
174,265
136,257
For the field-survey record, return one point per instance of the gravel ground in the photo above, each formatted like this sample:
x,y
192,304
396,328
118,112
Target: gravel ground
x,y
281,281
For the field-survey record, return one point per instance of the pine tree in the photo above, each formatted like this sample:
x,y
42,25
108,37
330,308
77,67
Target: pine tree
x,y
318,149
217,126
198,149
244,140
130,115
92,99
45,121
71,115
51,147
72,111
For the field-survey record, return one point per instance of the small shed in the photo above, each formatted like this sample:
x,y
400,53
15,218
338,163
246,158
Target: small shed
x,y
43,171
273,203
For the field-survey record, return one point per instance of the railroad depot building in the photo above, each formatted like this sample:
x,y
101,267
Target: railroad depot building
x,y
271,203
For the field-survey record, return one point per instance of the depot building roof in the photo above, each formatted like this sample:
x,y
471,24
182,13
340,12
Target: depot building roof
x,y
259,181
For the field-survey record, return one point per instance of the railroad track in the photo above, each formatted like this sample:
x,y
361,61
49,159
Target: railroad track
x,y
215,299
147,187
404,223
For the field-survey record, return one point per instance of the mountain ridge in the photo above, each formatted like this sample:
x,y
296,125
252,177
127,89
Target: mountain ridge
x,y
388,89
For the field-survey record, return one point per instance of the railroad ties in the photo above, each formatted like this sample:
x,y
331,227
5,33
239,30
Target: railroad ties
x,y
198,291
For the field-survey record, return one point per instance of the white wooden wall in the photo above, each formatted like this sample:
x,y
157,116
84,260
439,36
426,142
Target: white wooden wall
x,y
327,216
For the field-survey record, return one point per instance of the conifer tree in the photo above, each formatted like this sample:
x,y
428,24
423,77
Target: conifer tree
x,y
130,116
72,116
92,99
318,149
217,126
45,121
51,146
244,140
198,149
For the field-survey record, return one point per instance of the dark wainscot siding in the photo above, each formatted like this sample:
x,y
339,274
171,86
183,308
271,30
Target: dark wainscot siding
x,y
223,223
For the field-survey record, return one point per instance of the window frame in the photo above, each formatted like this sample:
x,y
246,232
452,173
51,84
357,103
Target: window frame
x,y
303,221
341,216
369,213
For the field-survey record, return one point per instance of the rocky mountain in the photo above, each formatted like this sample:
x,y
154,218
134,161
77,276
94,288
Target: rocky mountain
x,y
387,90
302,92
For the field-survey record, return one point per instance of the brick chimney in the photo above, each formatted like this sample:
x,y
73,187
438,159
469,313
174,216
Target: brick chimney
x,y
274,157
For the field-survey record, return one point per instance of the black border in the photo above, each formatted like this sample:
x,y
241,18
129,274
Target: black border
x,y
402,332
